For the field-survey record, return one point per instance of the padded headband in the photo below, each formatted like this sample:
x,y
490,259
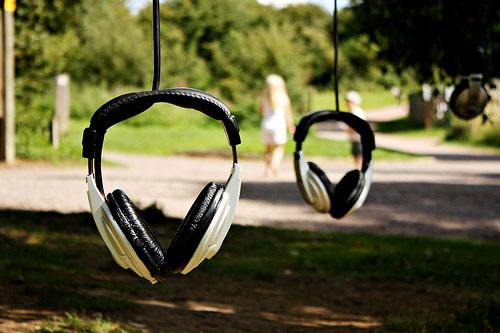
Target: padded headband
x,y
128,105
358,124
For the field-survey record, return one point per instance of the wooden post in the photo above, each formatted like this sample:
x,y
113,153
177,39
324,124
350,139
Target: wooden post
x,y
416,112
2,66
2,92
61,112
8,152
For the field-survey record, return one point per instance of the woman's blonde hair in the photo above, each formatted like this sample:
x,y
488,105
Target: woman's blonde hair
x,y
275,92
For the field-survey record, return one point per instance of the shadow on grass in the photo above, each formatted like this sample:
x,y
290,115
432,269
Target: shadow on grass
x,y
263,279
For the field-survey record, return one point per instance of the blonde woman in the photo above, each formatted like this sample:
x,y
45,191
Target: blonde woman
x,y
276,117
353,100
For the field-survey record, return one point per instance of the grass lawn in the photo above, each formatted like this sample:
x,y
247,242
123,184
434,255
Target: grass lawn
x,y
404,127
56,268
372,99
164,140
166,130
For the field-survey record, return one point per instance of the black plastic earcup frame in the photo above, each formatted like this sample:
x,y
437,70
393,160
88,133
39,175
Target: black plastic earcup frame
x,y
194,226
346,193
358,124
463,88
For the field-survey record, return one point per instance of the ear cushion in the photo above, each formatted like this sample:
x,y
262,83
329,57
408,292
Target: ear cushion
x,y
458,101
193,228
137,232
323,177
456,92
346,193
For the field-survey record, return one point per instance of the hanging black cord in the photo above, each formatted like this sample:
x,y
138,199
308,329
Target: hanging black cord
x,y
156,39
336,55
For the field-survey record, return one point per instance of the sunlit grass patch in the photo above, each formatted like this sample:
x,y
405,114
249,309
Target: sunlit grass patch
x,y
77,323
210,139
403,126
372,99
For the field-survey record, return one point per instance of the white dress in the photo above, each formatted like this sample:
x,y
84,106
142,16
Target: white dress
x,y
273,125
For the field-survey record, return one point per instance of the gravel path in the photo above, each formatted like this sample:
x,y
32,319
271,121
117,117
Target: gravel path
x,y
454,192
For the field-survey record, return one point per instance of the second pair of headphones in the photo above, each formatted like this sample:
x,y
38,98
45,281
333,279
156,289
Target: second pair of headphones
x,y
470,97
315,186
125,232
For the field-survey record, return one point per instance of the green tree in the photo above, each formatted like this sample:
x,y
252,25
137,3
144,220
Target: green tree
x,y
94,41
112,47
312,27
43,37
429,36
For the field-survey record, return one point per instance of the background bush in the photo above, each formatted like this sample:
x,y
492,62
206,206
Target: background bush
x,y
227,48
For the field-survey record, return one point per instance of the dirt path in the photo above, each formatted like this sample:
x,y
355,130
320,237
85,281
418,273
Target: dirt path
x,y
428,196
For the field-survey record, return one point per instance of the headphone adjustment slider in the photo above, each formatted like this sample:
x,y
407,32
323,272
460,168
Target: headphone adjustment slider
x,y
89,142
232,130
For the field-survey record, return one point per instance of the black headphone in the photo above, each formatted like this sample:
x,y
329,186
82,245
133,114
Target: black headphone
x,y
314,185
123,229
470,97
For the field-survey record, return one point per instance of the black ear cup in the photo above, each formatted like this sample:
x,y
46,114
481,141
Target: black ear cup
x,y
346,193
137,232
194,226
323,177
459,101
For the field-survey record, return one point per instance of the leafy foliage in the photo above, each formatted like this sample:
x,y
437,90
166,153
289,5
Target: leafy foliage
x,y
111,48
100,44
43,36
430,36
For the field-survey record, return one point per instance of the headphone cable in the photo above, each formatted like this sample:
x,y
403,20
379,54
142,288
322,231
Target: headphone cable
x,y
336,53
156,41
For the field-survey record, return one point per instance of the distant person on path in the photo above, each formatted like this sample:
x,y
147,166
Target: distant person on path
x,y
276,117
353,100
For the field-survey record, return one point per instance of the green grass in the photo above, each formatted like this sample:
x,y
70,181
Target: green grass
x,y
403,126
468,264
76,323
164,140
60,261
492,144
482,316
406,128
166,130
53,250
372,99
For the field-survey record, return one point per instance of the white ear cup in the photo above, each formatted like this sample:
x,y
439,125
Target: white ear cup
x,y
120,248
310,186
221,222
126,257
320,199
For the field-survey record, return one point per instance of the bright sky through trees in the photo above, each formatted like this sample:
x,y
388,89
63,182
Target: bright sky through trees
x,y
136,5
